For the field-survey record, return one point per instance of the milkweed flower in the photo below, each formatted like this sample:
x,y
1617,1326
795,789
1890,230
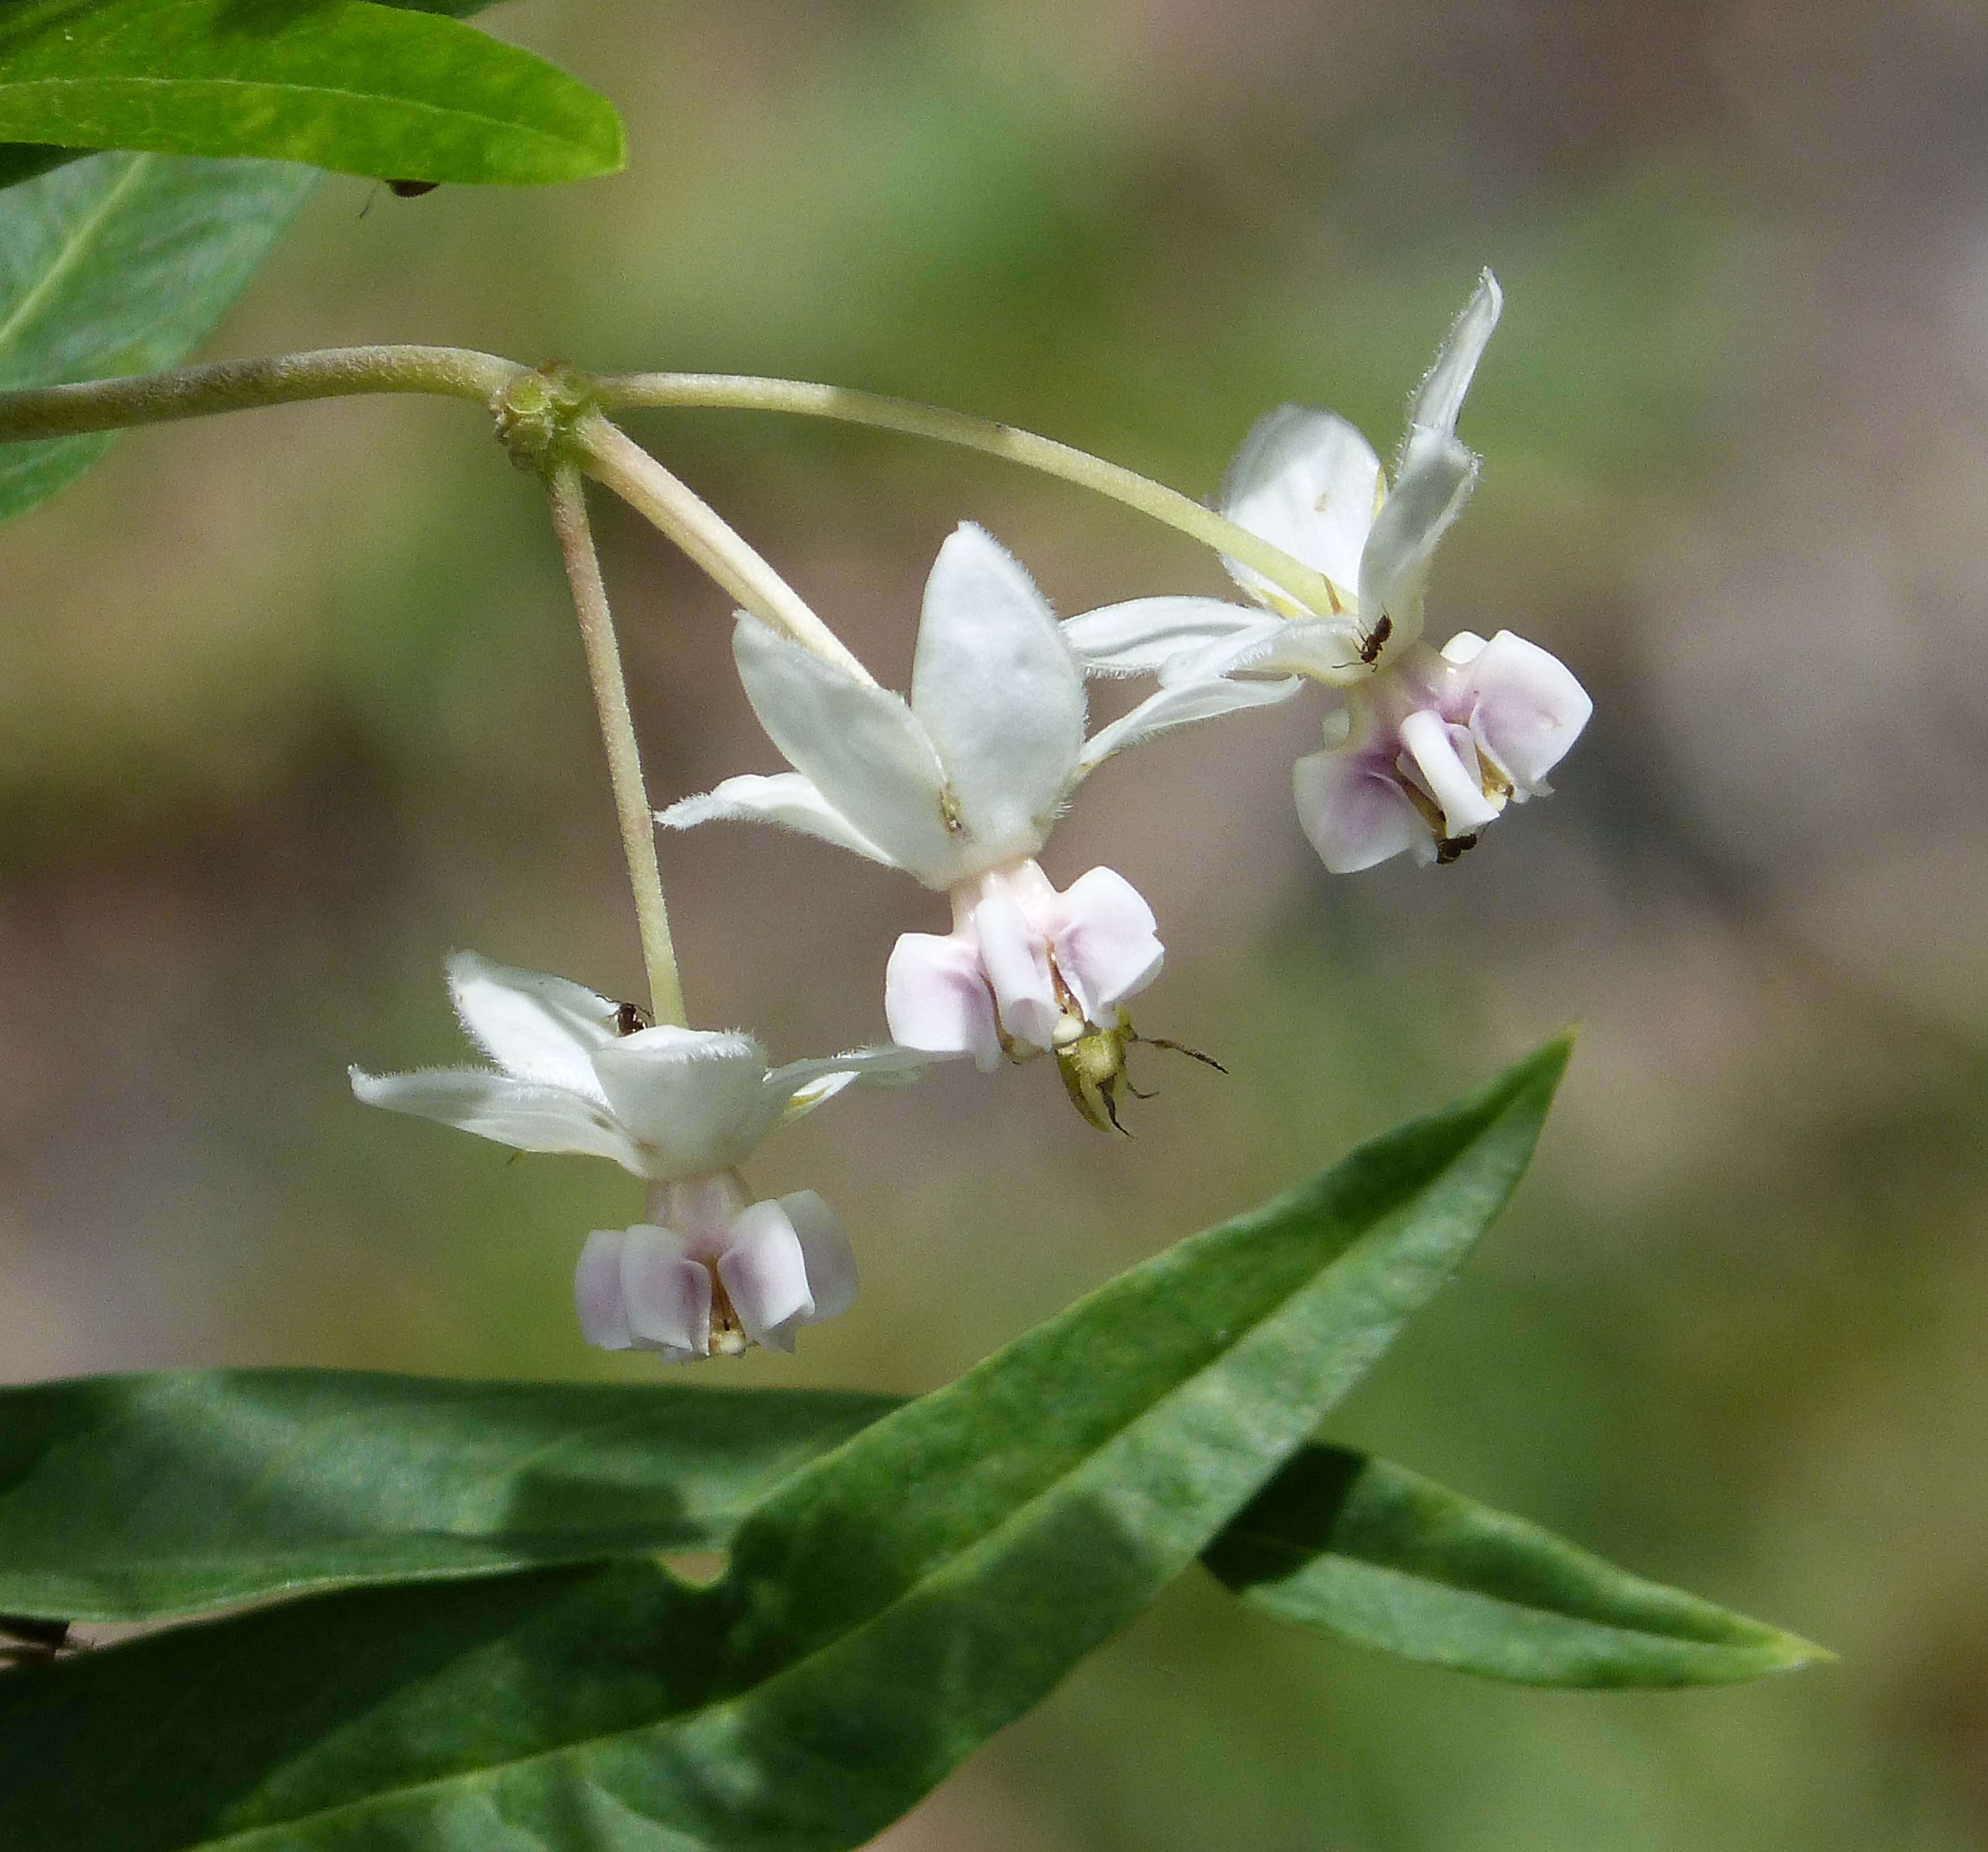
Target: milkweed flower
x,y
1424,748
960,786
709,1269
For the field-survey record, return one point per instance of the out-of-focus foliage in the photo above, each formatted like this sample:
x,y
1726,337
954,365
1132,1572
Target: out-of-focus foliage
x,y
289,706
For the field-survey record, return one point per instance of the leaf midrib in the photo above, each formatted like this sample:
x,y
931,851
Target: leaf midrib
x,y
69,258
414,104
1300,1556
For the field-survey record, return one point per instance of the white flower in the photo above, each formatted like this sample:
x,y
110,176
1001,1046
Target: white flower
x,y
1308,482
682,1108
1428,748
960,787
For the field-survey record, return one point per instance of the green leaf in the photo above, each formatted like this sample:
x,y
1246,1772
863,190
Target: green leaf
x,y
123,263
138,1498
20,161
392,92
1374,1554
149,1496
886,1609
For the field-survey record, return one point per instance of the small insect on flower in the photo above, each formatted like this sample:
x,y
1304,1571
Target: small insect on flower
x,y
631,1019
1376,640
1094,1068
24,1640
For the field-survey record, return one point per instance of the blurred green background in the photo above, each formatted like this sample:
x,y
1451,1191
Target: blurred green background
x,y
291,703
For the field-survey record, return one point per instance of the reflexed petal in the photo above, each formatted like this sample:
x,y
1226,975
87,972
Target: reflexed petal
x,y
765,1274
597,1292
1306,481
1527,708
696,1099
804,1085
831,1261
1105,945
1015,956
1326,649
859,746
1436,480
1138,638
786,798
1440,396
936,999
1180,704
996,688
526,1114
1466,645
533,1026
666,1294
1354,813
1446,756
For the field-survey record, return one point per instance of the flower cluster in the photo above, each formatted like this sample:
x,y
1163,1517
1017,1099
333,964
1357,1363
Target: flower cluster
x,y
960,786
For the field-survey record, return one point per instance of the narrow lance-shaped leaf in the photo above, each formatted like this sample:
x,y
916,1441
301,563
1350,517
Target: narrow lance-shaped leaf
x,y
144,1497
886,1609
123,263
137,1497
1377,1555
391,92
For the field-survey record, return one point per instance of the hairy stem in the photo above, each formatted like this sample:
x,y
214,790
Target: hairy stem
x,y
199,392
624,763
736,392
609,453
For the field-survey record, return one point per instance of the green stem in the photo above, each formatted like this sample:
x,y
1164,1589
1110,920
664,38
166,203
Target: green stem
x,y
737,392
617,732
199,392
609,453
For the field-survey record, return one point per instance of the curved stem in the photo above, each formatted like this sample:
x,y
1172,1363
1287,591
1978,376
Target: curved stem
x,y
608,453
197,392
736,392
617,730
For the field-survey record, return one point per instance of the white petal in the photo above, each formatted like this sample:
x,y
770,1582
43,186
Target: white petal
x,y
696,1099
1305,481
668,1295
831,1261
786,798
1015,956
765,1274
533,1026
526,1114
1436,479
1178,705
1354,813
997,689
1466,645
1527,708
1139,637
1446,756
859,746
936,999
1440,396
1326,649
803,1086
1105,945
597,1296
